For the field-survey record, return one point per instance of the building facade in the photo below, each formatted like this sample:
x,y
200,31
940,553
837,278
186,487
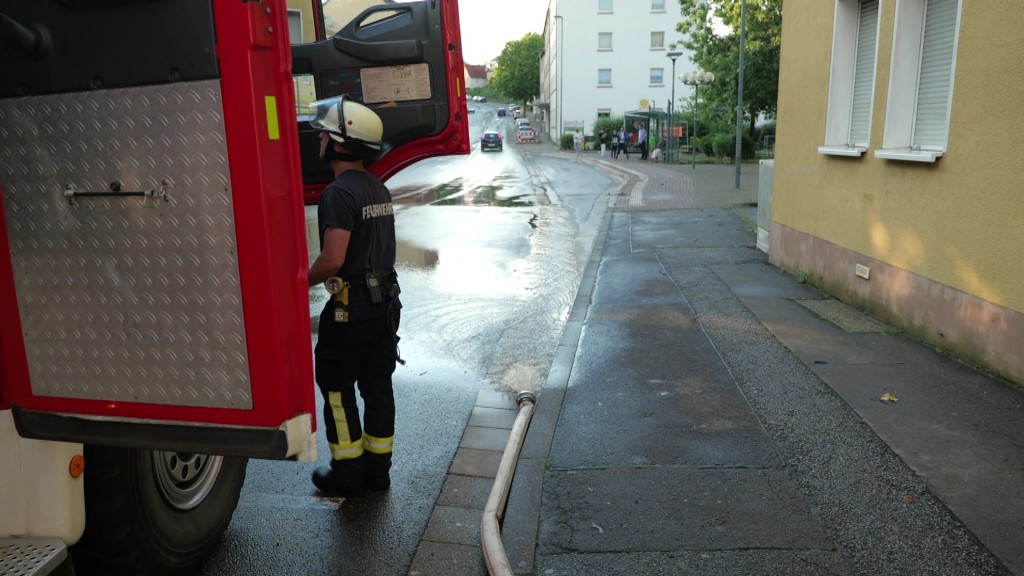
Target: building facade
x,y
897,186
606,58
476,75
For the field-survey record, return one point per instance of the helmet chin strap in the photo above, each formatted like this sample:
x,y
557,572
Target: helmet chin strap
x,y
331,153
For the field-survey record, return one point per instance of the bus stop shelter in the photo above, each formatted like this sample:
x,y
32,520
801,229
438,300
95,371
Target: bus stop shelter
x,y
654,121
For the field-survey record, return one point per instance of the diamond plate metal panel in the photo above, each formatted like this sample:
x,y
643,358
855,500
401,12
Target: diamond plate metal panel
x,y
126,298
31,556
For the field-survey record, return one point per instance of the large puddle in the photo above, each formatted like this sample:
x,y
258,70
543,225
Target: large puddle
x,y
488,269
507,190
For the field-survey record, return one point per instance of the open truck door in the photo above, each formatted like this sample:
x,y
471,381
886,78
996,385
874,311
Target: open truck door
x,y
153,250
387,57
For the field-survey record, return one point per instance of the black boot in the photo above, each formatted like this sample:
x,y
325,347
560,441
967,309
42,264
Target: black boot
x,y
378,478
343,478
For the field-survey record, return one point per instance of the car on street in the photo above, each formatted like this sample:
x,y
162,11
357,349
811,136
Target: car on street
x,y
525,133
502,112
491,140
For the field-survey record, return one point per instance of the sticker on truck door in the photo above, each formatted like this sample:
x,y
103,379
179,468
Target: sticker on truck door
x,y
396,83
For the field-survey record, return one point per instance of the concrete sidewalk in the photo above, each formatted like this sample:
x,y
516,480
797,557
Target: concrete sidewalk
x,y
708,414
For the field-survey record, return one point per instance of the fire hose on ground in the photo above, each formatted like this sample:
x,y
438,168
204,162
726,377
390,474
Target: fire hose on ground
x,y
490,523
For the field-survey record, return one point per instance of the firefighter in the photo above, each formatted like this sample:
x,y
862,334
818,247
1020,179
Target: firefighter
x,y
358,341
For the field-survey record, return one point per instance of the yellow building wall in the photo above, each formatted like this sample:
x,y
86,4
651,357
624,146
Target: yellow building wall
x,y
308,24
958,222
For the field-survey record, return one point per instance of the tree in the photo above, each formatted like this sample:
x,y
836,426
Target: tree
x,y
712,30
518,73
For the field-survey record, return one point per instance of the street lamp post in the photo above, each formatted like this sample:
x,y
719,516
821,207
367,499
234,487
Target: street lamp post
x,y
672,107
695,79
739,92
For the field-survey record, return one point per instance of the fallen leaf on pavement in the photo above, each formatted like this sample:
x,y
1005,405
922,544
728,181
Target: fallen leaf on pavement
x,y
888,397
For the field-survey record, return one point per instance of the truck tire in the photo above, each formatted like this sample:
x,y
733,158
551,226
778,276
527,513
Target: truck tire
x,y
152,513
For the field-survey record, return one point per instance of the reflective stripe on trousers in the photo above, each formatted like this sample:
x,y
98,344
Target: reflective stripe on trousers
x,y
378,445
346,448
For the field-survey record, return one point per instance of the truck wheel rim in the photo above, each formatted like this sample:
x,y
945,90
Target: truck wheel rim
x,y
185,479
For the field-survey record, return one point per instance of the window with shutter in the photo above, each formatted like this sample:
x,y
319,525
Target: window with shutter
x,y
921,80
851,78
864,74
936,76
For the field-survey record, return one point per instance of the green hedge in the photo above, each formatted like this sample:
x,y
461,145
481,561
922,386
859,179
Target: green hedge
x,y
724,146
609,125
566,142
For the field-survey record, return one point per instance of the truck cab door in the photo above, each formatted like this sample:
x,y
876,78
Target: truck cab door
x,y
390,58
153,250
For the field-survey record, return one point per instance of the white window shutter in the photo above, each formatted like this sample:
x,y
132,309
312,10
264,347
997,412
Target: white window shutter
x,y
864,74
931,122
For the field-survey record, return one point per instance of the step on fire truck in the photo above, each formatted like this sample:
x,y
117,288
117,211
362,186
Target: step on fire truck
x,y
155,156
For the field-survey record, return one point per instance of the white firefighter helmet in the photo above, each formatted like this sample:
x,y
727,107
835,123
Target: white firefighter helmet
x,y
348,122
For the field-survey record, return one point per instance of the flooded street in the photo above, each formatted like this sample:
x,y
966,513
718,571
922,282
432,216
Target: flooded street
x,y
489,259
491,250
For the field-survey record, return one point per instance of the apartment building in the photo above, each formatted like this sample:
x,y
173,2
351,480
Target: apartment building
x,y
604,58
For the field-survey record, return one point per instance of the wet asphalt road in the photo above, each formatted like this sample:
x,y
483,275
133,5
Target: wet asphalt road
x,y
491,253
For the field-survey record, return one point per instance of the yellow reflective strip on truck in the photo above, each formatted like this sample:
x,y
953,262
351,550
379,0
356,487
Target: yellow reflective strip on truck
x,y
273,130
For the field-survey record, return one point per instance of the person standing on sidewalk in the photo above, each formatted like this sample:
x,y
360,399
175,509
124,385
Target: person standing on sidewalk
x,y
623,142
357,337
641,137
577,141
603,139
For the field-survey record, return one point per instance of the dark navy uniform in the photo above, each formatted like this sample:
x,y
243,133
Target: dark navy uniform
x,y
362,349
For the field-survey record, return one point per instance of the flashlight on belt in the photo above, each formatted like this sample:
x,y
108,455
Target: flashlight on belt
x,y
338,288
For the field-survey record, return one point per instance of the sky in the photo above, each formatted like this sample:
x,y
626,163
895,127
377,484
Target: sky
x,y
488,24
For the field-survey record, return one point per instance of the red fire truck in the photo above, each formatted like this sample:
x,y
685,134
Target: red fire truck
x,y
155,332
